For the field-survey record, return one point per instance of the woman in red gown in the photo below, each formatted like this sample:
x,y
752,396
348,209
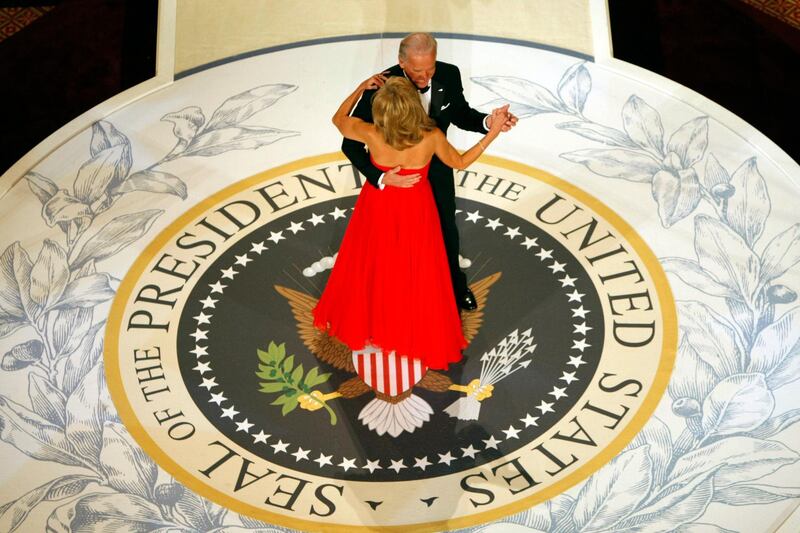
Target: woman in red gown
x,y
390,286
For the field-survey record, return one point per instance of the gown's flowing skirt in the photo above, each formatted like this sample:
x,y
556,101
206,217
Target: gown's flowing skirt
x,y
390,287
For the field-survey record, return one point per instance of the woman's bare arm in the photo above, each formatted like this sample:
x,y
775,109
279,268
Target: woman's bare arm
x,y
450,156
352,127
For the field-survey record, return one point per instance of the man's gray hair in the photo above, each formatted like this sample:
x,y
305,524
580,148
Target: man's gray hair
x,y
417,44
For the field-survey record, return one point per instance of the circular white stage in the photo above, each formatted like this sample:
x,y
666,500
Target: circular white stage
x,y
702,398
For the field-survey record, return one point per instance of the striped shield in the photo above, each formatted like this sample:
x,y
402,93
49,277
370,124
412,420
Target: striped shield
x,y
387,373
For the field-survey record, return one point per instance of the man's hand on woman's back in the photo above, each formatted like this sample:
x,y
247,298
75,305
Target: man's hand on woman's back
x,y
391,178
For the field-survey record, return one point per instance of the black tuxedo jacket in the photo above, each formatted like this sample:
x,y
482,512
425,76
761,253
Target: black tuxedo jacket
x,y
448,106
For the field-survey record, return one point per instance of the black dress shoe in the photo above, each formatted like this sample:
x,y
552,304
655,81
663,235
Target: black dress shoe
x,y
467,301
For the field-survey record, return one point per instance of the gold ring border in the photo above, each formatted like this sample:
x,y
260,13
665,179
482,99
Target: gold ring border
x,y
659,385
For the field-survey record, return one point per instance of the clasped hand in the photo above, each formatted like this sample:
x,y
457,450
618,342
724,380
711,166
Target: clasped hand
x,y
501,119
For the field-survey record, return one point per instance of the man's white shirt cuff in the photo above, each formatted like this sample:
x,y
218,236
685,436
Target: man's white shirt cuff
x,y
380,182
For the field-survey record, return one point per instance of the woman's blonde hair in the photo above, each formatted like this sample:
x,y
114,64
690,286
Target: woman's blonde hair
x,y
398,114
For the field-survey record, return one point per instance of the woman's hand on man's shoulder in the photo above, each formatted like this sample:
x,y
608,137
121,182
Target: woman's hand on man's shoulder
x,y
374,82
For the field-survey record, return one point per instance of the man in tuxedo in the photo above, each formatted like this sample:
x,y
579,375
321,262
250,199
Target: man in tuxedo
x,y
442,95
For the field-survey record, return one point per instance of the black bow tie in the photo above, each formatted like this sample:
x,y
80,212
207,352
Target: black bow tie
x,y
423,91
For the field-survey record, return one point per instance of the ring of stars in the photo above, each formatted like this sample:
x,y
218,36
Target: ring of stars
x,y
580,329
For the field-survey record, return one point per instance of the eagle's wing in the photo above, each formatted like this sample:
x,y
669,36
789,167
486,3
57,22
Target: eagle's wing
x,y
435,381
353,387
471,320
325,347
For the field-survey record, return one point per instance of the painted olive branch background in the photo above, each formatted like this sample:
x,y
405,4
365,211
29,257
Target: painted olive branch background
x,y
738,346
52,297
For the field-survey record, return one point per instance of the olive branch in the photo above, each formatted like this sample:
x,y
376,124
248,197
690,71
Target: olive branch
x,y
283,376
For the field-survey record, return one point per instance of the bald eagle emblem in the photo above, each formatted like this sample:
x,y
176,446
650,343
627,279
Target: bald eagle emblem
x,y
390,376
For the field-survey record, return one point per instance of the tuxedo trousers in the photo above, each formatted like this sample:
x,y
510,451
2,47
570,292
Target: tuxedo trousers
x,y
443,184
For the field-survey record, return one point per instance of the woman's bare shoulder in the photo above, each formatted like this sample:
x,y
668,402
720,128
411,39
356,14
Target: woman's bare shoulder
x,y
367,128
433,136
427,147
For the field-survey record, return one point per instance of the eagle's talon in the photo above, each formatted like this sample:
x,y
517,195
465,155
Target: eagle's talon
x,y
484,392
315,400
475,389
312,401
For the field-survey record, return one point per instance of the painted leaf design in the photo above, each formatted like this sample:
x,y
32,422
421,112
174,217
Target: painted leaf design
x,y
15,300
611,493
216,513
656,436
238,529
776,424
692,377
242,106
575,85
110,512
105,136
10,324
776,350
714,174
252,523
521,91
537,518
597,132
691,273
222,140
642,123
52,491
185,123
153,181
742,316
22,355
742,458
749,207
182,529
677,194
101,171
616,163
33,435
89,407
46,400
86,291
561,510
684,505
755,494
690,141
42,187
290,405
126,467
49,274
741,402
698,527
116,235
781,254
724,254
504,526
515,108
70,325
73,367
711,336
62,207
193,508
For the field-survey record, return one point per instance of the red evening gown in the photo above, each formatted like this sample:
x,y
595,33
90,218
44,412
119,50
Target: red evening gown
x,y
390,287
